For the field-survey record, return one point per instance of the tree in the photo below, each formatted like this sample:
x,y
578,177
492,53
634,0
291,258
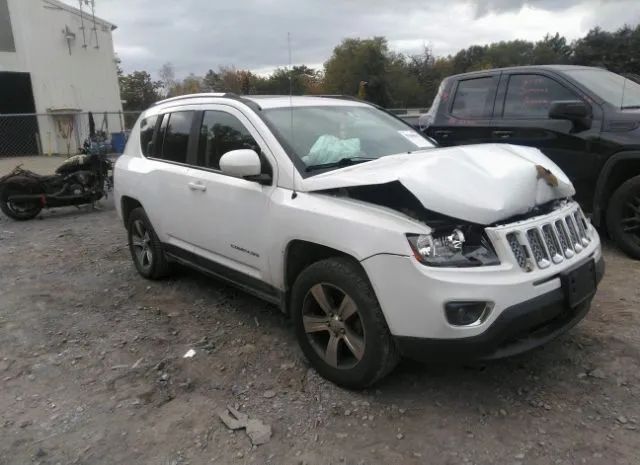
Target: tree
x,y
212,82
368,69
139,90
617,51
299,80
552,50
168,78
356,60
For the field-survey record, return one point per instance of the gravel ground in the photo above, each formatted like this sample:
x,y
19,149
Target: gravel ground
x,y
92,372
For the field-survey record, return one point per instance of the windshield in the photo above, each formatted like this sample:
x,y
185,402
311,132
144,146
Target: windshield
x,y
328,135
610,87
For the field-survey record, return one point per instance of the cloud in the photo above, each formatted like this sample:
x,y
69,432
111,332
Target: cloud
x,y
197,35
613,15
484,7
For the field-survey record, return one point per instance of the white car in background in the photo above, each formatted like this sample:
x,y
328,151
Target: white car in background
x,y
375,242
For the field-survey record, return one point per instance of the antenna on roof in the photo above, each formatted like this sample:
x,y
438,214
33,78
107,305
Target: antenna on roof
x,y
95,27
84,36
294,194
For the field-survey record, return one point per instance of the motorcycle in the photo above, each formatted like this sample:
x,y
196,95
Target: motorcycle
x,y
81,179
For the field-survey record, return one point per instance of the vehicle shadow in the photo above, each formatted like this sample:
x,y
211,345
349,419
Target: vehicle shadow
x,y
534,379
67,212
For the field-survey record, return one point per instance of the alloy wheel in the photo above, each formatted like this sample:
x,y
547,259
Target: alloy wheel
x,y
141,243
631,216
333,326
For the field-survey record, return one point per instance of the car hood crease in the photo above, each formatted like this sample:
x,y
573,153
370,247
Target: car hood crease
x,y
482,184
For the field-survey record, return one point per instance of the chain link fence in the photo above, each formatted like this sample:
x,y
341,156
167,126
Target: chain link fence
x,y
62,133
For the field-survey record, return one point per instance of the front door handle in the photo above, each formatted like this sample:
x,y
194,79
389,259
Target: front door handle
x,y
196,186
502,134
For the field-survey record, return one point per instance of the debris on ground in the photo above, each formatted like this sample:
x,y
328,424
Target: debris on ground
x,y
233,419
258,432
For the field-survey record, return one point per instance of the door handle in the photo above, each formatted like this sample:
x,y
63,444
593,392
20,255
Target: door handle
x,y
196,186
442,133
503,134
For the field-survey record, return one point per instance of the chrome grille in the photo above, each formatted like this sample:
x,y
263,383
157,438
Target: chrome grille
x,y
518,250
553,244
538,249
581,222
563,236
573,235
549,242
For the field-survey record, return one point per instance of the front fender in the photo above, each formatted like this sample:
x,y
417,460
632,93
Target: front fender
x,y
599,198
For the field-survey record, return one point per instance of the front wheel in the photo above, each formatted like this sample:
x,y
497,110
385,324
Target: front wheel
x,y
623,217
18,210
339,324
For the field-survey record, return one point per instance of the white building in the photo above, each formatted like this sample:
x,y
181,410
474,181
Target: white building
x,y
58,61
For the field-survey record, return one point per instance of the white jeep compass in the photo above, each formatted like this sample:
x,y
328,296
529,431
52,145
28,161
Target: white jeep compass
x,y
374,241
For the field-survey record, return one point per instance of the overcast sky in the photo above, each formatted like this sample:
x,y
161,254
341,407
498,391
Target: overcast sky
x,y
196,35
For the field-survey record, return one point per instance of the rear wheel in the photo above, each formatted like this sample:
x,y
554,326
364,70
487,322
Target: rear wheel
x,y
19,210
623,217
145,247
339,324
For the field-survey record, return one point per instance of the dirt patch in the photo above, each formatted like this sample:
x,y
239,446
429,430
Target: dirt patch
x,y
92,371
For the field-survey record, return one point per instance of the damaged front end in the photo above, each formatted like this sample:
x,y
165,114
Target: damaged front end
x,y
481,184
451,243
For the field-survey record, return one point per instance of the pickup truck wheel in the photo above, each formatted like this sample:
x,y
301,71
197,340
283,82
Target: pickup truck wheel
x,y
623,217
339,324
145,247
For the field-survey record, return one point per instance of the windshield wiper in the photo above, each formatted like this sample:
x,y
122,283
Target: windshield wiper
x,y
342,162
631,107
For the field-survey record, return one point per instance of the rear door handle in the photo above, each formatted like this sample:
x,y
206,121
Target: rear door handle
x,y
502,134
444,133
196,186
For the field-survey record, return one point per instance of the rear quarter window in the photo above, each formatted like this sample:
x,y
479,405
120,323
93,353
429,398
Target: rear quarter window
x,y
147,129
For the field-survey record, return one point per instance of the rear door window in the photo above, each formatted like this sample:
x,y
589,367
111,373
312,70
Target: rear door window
x,y
530,96
175,144
220,133
474,98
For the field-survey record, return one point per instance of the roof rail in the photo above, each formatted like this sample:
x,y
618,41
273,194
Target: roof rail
x,y
340,97
202,95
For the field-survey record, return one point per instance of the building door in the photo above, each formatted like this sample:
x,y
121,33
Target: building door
x,y
19,132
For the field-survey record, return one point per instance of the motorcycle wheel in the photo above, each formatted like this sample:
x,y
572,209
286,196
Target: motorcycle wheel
x,y
20,211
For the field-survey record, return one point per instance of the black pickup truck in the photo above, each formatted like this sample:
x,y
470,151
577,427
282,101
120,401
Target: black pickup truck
x,y
587,120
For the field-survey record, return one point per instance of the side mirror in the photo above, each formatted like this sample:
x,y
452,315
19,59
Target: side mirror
x,y
241,163
572,110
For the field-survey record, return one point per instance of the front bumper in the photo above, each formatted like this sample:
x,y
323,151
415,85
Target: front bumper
x,y
413,296
518,329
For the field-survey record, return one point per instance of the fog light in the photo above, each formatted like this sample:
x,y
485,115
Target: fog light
x,y
466,313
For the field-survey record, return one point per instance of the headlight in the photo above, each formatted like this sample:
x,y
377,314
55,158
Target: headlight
x,y
453,248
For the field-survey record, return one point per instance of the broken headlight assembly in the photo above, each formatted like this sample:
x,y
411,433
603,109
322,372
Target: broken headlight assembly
x,y
460,247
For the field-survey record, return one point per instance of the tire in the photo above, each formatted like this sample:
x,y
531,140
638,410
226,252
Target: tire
x,y
365,350
146,249
623,217
23,211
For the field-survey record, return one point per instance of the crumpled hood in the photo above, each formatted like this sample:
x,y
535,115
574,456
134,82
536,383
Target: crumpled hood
x,y
478,183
